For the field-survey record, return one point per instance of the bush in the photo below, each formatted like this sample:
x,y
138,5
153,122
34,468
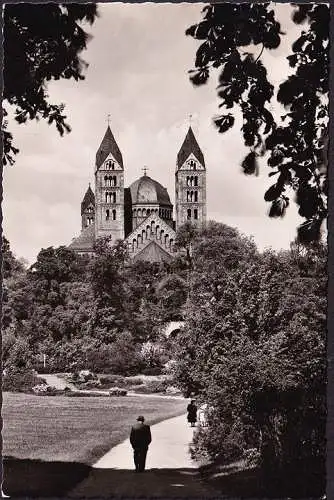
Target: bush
x,y
80,394
46,390
90,384
218,442
152,386
15,380
116,391
112,380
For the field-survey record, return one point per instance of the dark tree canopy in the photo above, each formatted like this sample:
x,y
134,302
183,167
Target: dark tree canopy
x,y
297,145
42,42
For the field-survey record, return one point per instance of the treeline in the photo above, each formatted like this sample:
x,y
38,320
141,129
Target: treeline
x,y
253,347
254,350
88,313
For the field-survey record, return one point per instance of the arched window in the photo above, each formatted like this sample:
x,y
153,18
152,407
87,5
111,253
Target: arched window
x,y
114,197
139,212
148,211
114,179
144,212
189,213
196,196
114,214
195,213
196,181
107,214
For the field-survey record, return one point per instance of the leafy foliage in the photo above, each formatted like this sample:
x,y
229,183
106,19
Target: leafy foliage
x,y
89,313
254,348
41,42
297,145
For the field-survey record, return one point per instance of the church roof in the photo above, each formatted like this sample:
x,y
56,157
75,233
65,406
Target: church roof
x,y
147,190
88,199
189,146
107,146
85,241
153,252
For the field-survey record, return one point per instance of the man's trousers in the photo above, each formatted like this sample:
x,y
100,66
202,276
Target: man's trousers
x,y
139,456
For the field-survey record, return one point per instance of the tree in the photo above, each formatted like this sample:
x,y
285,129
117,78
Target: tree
x,y
184,238
58,264
172,294
296,145
106,278
10,264
41,42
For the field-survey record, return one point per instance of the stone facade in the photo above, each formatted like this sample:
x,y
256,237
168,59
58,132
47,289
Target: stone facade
x,y
142,214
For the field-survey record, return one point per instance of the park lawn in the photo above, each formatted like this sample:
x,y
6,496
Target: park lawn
x,y
80,429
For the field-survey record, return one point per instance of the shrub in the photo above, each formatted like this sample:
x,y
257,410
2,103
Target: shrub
x,y
112,380
46,390
116,391
80,394
90,384
152,386
23,380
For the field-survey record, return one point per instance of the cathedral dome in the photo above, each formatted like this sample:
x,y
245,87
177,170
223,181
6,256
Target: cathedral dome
x,y
147,190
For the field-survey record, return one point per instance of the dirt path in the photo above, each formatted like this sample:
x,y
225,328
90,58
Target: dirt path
x,y
169,470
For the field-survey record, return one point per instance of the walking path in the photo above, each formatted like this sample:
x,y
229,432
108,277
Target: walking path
x,y
57,382
169,448
170,472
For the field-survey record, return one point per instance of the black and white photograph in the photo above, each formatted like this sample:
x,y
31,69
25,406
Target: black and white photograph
x,y
164,250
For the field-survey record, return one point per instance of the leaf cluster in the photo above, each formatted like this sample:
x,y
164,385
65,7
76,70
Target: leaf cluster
x,y
297,146
42,42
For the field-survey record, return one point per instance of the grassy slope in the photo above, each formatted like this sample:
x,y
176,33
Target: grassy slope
x,y
75,429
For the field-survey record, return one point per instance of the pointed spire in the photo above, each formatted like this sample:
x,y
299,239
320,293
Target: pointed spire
x,y
88,199
107,146
189,146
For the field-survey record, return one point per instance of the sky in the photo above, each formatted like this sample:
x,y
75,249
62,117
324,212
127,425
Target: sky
x,y
139,58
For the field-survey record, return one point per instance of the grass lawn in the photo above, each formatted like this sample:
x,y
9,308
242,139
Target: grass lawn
x,y
78,429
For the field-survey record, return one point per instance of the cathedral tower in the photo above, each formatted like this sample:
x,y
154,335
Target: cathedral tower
x,y
190,183
109,189
88,208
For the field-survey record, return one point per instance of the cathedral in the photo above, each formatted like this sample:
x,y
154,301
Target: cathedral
x,y
142,214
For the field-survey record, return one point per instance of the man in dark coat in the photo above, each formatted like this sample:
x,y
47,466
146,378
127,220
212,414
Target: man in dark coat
x,y
192,413
140,438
